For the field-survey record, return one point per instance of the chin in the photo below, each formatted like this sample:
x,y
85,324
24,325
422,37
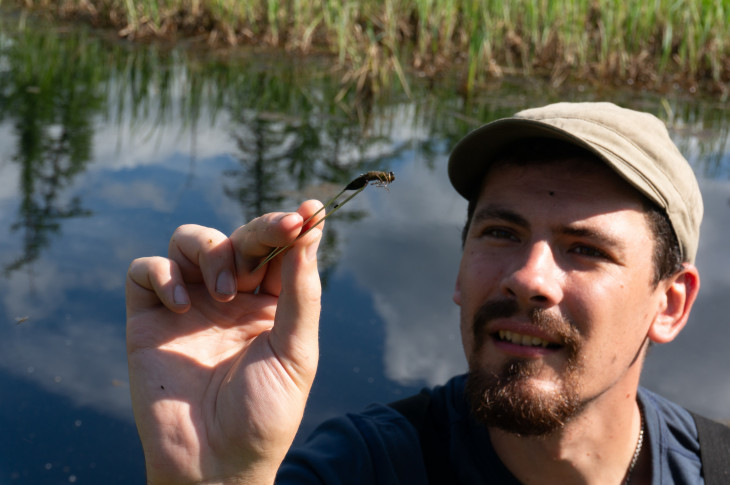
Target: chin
x,y
515,401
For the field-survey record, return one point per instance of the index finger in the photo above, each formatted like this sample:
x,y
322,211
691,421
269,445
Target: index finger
x,y
255,240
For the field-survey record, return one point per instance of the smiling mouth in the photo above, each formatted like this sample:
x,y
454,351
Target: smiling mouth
x,y
524,340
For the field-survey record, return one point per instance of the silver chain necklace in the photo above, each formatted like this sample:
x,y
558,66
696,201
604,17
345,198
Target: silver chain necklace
x,y
637,451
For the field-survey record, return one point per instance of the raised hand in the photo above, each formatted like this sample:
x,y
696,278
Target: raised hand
x,y
221,359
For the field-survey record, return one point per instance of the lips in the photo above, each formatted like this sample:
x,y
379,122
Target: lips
x,y
523,339
535,332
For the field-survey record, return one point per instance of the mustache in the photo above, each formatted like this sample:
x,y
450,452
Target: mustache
x,y
560,326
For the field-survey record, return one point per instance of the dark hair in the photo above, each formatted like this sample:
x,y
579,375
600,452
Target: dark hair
x,y
667,253
667,257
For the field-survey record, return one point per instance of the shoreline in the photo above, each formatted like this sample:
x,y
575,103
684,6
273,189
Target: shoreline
x,y
374,43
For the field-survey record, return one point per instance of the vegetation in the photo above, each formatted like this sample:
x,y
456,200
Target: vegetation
x,y
656,44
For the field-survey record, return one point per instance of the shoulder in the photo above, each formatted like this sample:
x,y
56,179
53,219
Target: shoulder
x,y
377,445
381,444
677,420
687,448
673,440
445,402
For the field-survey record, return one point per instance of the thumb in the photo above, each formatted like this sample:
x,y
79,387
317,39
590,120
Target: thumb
x,y
296,326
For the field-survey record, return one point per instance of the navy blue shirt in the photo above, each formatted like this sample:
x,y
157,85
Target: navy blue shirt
x,y
380,446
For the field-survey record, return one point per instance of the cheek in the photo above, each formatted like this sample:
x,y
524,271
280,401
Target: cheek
x,y
467,336
614,313
479,273
457,291
475,285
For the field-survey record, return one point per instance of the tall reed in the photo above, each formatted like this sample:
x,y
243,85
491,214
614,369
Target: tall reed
x,y
648,43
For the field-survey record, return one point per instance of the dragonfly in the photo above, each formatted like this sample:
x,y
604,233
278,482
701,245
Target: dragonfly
x,y
376,178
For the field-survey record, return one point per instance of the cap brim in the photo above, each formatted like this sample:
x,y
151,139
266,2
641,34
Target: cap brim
x,y
472,156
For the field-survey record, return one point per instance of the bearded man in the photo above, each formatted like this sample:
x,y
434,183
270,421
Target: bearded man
x,y
578,254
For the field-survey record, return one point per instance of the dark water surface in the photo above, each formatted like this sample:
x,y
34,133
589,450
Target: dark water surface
x,y
106,149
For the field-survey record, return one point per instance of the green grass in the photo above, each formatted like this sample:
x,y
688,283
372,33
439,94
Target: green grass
x,y
654,43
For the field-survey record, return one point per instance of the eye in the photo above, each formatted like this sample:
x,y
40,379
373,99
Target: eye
x,y
589,251
499,233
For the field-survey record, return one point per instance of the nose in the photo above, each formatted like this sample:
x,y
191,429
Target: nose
x,y
535,279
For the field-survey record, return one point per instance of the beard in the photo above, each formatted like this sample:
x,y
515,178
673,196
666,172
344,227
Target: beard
x,y
506,399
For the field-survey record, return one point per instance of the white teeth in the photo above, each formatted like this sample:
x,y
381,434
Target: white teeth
x,y
520,339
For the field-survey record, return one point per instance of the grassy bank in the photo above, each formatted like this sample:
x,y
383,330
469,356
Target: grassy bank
x,y
659,45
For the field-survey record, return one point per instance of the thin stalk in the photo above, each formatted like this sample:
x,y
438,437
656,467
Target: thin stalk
x,y
381,179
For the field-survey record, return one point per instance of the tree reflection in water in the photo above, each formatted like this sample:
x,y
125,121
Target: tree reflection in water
x,y
51,108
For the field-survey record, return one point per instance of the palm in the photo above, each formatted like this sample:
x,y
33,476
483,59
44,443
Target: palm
x,y
199,370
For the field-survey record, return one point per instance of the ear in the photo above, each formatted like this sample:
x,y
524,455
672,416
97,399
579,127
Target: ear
x,y
678,294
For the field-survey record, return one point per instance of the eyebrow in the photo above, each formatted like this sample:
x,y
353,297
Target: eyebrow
x,y
604,237
497,212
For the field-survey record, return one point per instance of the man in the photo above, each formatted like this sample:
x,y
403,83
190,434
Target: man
x,y
582,231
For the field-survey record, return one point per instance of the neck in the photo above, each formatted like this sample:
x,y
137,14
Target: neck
x,y
594,448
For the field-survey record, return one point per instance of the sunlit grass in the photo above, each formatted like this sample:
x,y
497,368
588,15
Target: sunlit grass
x,y
653,43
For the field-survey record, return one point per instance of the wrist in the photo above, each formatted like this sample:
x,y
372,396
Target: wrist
x,y
257,475
248,479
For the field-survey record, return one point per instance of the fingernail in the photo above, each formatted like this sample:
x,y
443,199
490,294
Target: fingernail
x,y
180,296
225,285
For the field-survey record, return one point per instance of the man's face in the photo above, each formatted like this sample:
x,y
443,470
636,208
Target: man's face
x,y
556,294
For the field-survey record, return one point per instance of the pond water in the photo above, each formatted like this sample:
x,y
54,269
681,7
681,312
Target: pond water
x,y
106,149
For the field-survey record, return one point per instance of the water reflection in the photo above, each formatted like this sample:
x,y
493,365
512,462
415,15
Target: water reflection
x,y
106,149
411,280
51,109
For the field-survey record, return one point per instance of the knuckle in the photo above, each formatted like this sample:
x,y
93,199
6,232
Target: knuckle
x,y
136,265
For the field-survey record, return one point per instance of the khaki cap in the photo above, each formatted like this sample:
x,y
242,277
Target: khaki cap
x,y
636,145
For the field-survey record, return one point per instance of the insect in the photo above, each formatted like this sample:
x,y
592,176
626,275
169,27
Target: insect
x,y
377,178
